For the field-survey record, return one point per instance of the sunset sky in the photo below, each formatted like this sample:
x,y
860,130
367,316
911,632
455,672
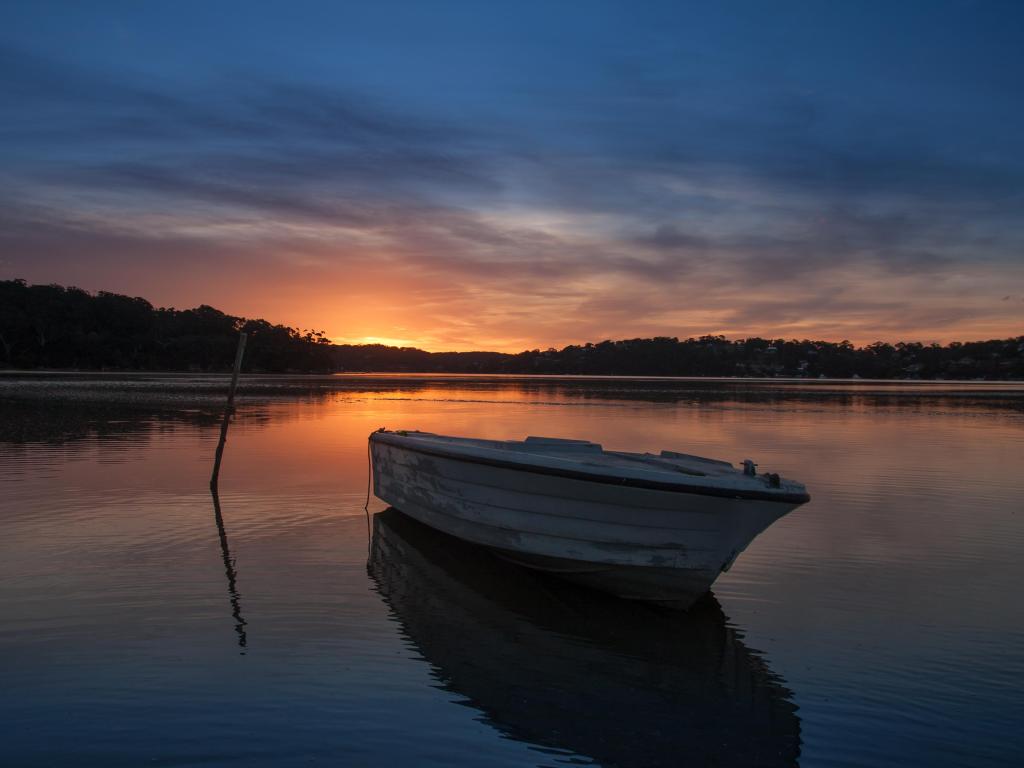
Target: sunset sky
x,y
483,175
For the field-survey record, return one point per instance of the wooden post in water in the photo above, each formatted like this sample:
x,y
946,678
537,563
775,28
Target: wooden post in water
x,y
228,411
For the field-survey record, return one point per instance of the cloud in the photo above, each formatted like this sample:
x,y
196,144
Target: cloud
x,y
666,218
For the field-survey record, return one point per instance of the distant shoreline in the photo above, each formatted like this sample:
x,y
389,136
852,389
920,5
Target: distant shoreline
x,y
53,328
441,375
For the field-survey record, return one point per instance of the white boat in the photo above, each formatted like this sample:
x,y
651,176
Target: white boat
x,y
648,527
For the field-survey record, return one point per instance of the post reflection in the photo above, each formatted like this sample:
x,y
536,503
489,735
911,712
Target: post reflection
x,y
229,571
561,667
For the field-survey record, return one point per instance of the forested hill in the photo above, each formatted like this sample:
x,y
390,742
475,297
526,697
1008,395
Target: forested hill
x,y
48,326
715,356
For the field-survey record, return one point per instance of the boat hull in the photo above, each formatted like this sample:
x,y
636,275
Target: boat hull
x,y
663,546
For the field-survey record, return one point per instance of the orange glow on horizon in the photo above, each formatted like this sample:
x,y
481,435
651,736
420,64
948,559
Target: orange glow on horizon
x,y
436,301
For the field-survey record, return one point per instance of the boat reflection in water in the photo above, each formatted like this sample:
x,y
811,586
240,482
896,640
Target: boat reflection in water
x,y
568,669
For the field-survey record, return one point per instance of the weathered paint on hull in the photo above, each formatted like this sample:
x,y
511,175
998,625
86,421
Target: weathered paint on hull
x,y
662,546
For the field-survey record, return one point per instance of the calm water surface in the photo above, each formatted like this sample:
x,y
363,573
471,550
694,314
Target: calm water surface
x,y
881,624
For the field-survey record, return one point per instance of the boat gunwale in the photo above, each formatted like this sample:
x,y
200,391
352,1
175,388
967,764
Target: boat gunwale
x,y
403,441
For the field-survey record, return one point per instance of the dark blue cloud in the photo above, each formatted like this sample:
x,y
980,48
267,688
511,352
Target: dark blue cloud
x,y
646,142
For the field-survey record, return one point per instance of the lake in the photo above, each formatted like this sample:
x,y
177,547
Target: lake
x,y
144,622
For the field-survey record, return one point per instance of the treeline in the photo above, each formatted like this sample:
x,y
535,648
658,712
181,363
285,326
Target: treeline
x,y
49,326
715,356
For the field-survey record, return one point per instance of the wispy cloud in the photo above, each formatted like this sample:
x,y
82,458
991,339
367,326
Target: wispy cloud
x,y
641,214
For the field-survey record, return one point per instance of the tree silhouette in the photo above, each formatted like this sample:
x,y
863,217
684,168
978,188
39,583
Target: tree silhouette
x,y
49,326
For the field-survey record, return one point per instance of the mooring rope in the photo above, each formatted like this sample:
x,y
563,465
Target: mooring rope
x,y
369,482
